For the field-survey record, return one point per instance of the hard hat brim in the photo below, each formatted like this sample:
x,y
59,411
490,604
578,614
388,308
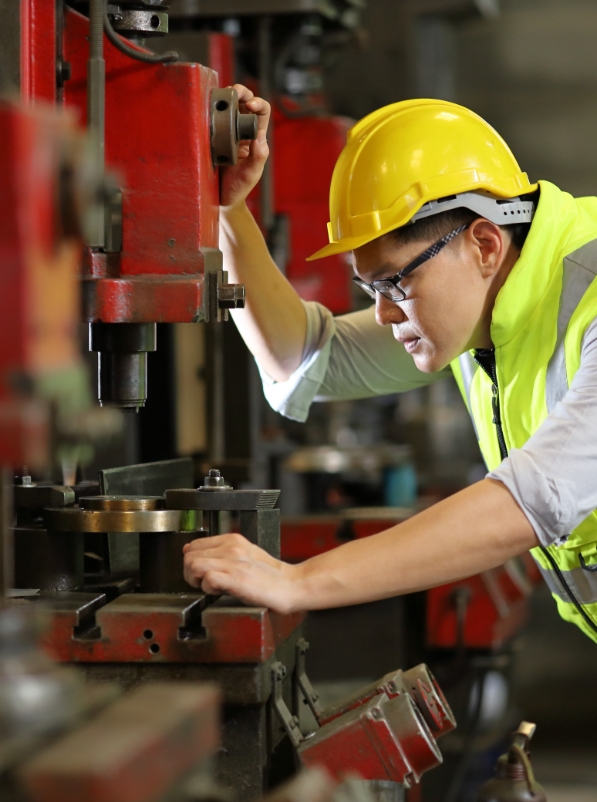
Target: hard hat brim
x,y
352,243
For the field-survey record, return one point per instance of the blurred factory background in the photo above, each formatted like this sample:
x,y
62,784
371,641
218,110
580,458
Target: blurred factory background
x,y
529,67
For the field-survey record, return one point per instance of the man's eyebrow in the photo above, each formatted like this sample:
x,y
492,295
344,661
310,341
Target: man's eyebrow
x,y
387,270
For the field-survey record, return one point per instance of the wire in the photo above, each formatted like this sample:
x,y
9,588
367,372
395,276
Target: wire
x,y
568,590
468,746
122,45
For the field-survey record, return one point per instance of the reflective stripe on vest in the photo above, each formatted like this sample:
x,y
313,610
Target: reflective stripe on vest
x,y
582,583
580,268
468,368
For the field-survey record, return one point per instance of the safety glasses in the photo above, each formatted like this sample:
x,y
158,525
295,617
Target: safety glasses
x,y
390,287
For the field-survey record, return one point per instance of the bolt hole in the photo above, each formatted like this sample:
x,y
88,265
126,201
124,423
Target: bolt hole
x,y
221,105
154,648
148,634
155,22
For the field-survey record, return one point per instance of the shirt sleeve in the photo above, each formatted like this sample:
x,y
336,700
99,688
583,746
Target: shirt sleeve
x,y
552,477
345,357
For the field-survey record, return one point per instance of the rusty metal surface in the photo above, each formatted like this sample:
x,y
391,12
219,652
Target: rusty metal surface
x,y
157,628
418,682
383,739
131,752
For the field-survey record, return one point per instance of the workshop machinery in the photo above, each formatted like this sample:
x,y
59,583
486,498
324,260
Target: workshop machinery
x,y
139,622
110,573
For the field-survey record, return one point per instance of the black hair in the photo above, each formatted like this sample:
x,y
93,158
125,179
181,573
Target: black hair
x,y
438,225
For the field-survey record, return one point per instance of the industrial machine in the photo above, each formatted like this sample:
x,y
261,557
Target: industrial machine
x,y
135,225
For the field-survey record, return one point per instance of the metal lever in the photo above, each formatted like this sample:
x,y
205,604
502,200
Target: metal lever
x,y
303,681
289,722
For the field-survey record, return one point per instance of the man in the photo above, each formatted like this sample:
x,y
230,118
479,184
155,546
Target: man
x,y
472,269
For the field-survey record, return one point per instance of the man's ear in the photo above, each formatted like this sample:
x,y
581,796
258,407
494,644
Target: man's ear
x,y
489,245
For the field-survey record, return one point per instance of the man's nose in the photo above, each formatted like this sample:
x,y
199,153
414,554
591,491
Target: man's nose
x,y
387,312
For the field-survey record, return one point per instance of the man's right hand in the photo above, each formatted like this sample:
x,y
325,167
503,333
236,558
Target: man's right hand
x,y
238,181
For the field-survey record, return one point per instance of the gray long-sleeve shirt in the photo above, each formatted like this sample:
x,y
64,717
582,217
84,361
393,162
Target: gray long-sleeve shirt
x,y
553,477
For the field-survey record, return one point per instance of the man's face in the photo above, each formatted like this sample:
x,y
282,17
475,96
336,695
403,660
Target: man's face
x,y
449,299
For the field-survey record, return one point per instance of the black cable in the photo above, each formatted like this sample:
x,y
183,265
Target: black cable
x,y
468,746
568,589
122,45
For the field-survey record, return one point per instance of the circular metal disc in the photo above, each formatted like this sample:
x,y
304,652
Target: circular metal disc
x,y
122,503
78,520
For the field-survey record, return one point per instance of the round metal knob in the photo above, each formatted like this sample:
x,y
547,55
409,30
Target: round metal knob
x,y
229,126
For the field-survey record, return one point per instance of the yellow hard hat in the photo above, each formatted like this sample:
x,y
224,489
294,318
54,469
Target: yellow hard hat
x,y
406,155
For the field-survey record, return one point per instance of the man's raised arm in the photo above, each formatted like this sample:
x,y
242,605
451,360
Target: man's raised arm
x,y
273,323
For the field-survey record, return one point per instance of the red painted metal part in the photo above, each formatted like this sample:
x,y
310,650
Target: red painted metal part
x,y
383,739
159,628
38,50
497,600
133,751
158,145
418,682
221,57
305,152
496,609
302,538
39,293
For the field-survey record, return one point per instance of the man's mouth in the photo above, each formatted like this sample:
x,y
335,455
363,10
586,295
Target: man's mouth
x,y
410,343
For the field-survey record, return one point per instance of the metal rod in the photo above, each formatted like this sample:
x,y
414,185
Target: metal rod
x,y
6,534
96,108
213,516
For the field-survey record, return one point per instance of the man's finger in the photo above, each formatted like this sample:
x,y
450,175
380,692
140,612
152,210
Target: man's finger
x,y
243,92
262,109
205,543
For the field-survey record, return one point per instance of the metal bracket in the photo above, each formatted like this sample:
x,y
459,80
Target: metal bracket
x,y
289,722
218,295
303,681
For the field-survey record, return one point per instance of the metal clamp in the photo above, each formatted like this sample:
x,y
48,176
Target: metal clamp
x,y
303,681
289,722
219,296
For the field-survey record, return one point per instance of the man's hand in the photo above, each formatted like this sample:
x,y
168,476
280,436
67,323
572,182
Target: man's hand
x,y
230,564
474,530
238,181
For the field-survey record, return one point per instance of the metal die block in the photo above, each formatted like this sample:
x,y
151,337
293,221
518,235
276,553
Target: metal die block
x,y
384,739
425,691
131,752
153,627
418,682
72,617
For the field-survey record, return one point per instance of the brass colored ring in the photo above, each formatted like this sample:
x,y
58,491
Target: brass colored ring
x,y
122,503
74,519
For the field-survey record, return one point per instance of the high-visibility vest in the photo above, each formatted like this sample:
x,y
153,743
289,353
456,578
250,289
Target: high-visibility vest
x,y
537,327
